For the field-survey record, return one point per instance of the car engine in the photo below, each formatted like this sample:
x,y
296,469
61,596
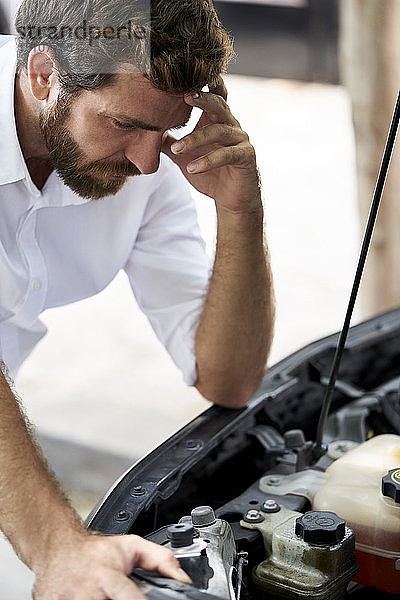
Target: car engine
x,y
248,509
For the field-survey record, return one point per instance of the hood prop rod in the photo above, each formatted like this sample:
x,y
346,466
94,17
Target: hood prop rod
x,y
319,448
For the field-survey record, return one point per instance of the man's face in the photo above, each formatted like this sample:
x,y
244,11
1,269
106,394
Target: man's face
x,y
98,139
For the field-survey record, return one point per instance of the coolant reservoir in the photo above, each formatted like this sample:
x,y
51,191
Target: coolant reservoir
x,y
353,490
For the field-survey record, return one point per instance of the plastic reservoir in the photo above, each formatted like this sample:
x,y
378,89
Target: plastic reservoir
x,y
353,491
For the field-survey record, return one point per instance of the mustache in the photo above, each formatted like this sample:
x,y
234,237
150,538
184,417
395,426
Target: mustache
x,y
110,169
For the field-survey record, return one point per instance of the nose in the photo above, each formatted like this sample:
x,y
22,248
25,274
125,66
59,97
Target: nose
x,y
143,150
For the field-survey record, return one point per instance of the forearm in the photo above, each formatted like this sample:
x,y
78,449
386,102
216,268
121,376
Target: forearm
x,y
68,561
33,511
235,332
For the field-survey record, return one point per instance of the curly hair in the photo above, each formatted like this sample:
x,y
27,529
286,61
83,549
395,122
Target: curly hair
x,y
178,45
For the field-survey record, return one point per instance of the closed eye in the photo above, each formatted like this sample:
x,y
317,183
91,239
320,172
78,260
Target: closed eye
x,y
124,126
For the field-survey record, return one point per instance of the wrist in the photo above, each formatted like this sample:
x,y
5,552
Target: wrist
x,y
241,225
247,206
63,535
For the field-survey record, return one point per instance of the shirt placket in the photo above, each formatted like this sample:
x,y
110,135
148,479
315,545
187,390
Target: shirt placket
x,y
37,285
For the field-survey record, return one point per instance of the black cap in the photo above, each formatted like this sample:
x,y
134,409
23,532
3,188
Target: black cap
x,y
391,484
180,535
320,527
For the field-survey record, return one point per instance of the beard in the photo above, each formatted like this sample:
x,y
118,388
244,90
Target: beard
x,y
93,180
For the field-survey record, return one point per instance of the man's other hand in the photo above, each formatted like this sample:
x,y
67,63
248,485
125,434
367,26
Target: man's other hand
x,y
95,567
217,157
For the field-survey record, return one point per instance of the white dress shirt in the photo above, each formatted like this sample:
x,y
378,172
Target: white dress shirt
x,y
57,248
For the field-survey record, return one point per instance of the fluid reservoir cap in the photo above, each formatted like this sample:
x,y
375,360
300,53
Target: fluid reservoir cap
x,y
391,484
180,534
320,527
202,516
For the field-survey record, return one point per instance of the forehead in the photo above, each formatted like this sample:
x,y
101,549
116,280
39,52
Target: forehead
x,y
132,95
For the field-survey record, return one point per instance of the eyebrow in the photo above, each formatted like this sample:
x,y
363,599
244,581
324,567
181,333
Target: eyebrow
x,y
131,123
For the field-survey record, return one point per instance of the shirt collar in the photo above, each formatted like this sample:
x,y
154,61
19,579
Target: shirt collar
x,y
12,163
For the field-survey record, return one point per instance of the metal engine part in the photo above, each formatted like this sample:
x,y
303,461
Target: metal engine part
x,y
210,559
311,555
303,483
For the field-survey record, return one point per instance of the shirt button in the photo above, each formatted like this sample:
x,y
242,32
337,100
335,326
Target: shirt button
x,y
36,284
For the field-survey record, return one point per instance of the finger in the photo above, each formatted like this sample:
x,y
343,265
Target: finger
x,y
119,587
179,159
176,158
225,135
241,154
153,557
213,105
167,143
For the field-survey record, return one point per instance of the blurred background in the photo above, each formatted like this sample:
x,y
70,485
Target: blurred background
x,y
314,85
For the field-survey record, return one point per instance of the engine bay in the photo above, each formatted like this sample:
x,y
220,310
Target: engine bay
x,y
246,508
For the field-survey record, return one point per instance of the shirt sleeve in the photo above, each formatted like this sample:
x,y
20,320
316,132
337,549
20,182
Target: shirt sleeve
x,y
169,269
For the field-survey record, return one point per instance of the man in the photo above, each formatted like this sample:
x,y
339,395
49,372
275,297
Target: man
x,y
88,187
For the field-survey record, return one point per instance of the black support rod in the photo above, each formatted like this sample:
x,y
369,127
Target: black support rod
x,y
318,448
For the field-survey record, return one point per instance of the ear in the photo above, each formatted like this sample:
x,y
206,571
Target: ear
x,y
42,72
